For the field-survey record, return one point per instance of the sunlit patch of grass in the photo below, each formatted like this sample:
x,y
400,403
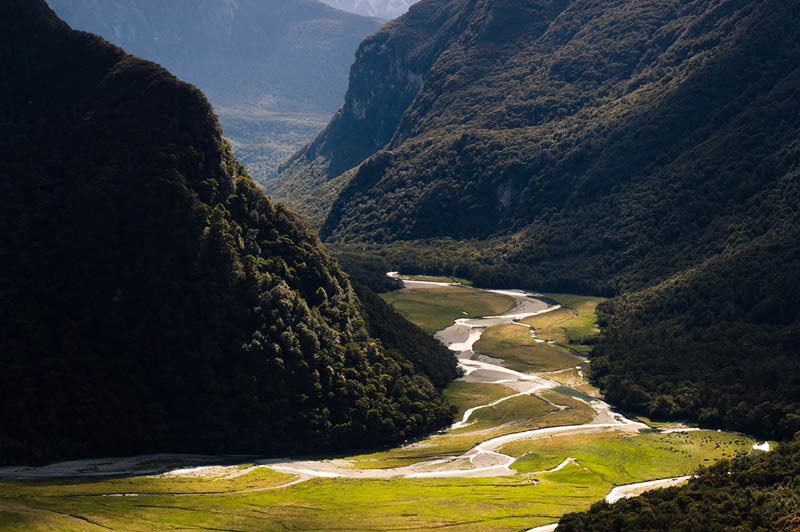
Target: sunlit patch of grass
x,y
483,504
514,415
519,351
466,395
572,378
260,477
623,458
435,307
575,323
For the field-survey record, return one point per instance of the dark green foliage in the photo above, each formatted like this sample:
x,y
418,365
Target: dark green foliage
x,y
645,148
744,494
151,297
717,343
367,270
400,336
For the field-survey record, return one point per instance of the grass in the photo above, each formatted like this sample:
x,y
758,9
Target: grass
x,y
467,505
572,379
466,395
520,410
574,324
623,459
513,344
529,412
515,415
259,478
436,307
464,505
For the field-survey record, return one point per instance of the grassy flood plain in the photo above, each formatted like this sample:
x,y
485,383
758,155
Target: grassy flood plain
x,y
482,504
486,504
573,325
562,333
518,414
437,307
263,500
514,345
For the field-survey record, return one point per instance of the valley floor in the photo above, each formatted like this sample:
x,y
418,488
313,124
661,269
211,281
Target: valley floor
x,y
533,440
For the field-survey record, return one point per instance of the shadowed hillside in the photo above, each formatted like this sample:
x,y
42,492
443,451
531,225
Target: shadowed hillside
x,y
152,298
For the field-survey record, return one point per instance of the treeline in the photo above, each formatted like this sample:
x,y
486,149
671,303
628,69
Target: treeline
x,y
398,335
718,343
152,298
757,493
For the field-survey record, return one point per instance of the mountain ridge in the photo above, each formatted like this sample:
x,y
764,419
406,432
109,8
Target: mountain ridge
x,y
275,71
386,9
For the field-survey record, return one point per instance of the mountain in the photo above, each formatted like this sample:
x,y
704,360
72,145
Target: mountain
x,y
646,149
275,70
152,297
386,9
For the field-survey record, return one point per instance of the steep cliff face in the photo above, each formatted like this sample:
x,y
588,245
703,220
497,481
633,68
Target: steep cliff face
x,y
388,73
531,108
275,70
152,298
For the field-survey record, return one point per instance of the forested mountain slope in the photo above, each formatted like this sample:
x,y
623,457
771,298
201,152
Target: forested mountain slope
x,y
151,297
275,70
640,147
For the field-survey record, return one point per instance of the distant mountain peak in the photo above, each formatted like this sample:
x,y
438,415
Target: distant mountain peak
x,y
275,70
387,9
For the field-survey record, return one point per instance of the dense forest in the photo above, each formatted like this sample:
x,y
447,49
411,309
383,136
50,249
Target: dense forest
x,y
758,493
648,150
151,297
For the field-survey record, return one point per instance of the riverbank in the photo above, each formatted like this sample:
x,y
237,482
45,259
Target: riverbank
x,y
509,463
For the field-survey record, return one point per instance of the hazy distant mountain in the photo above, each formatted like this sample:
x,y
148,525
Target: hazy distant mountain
x,y
152,297
275,70
387,9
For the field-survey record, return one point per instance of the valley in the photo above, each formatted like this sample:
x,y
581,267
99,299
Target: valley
x,y
241,361
527,446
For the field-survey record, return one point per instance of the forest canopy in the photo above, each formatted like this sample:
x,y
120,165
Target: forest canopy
x,y
152,297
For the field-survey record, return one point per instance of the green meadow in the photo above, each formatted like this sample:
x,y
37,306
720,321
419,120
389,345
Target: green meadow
x,y
624,459
484,504
246,498
513,344
436,307
574,324
466,395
